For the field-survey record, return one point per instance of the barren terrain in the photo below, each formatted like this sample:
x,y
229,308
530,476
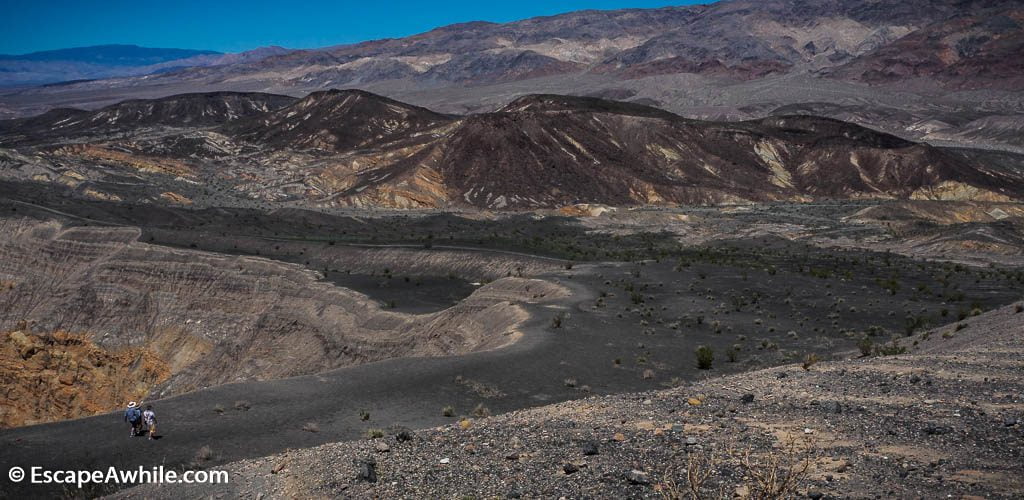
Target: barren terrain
x,y
752,249
942,419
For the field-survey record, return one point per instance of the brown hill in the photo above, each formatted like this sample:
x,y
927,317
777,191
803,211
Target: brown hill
x,y
354,148
556,150
338,120
184,110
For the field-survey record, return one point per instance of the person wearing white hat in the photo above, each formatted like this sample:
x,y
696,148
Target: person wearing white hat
x,y
133,416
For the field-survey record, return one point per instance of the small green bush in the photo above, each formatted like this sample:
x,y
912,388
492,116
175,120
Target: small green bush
x,y
705,357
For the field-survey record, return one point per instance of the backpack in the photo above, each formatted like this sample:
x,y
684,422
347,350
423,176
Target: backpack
x,y
134,415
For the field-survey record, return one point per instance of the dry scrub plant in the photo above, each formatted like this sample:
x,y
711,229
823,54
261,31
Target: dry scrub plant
x,y
774,474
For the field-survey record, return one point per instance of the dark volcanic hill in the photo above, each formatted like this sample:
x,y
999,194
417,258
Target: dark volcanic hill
x,y
551,150
337,120
354,148
185,110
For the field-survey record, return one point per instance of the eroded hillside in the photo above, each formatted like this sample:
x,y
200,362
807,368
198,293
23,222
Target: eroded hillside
x,y
354,149
204,319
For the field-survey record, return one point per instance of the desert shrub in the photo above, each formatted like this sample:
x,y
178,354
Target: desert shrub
x,y
810,360
779,473
364,415
912,323
374,433
891,349
648,374
242,405
202,456
570,382
481,411
705,357
866,346
448,411
311,427
218,409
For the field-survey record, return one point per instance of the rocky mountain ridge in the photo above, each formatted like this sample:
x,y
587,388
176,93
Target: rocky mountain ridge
x,y
342,148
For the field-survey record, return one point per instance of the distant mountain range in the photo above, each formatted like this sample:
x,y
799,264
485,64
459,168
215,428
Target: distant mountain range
x,y
108,61
342,148
942,71
957,42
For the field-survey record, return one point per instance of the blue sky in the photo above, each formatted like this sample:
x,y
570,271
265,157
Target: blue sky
x,y
232,26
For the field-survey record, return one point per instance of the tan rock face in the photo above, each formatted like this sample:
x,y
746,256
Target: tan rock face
x,y
166,166
175,198
56,376
957,191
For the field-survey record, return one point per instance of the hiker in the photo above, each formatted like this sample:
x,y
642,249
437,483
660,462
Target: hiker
x,y
149,417
133,416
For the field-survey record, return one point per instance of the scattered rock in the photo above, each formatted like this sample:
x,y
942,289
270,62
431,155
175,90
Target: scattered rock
x,y
591,448
638,477
403,435
935,429
382,447
367,469
747,398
